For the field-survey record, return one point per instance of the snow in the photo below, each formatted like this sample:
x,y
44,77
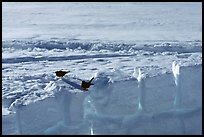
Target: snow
x,y
5,111
146,60
103,21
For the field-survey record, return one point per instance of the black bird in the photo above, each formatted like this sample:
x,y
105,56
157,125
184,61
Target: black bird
x,y
85,85
61,73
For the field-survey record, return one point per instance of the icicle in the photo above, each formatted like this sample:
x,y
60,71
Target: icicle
x,y
141,87
176,73
177,99
92,133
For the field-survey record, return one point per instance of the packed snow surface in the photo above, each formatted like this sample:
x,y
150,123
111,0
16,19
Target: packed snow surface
x,y
146,60
104,21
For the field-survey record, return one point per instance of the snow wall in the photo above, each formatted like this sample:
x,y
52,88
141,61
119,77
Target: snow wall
x,y
111,106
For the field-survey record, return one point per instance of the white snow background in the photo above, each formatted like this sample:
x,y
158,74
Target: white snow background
x,y
146,59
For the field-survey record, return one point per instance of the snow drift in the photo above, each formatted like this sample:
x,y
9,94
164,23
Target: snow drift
x,y
111,106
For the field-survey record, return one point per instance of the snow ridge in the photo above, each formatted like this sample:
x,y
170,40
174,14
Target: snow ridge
x,y
155,46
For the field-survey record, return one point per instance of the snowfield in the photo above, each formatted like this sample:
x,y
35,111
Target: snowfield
x,y
146,60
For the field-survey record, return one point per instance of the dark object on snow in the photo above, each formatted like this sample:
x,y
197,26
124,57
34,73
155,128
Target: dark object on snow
x,y
85,85
61,73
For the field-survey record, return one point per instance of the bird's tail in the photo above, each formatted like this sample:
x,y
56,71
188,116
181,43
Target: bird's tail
x,y
67,71
91,81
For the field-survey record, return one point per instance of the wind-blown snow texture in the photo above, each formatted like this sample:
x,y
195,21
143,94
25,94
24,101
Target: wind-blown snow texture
x,y
146,60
